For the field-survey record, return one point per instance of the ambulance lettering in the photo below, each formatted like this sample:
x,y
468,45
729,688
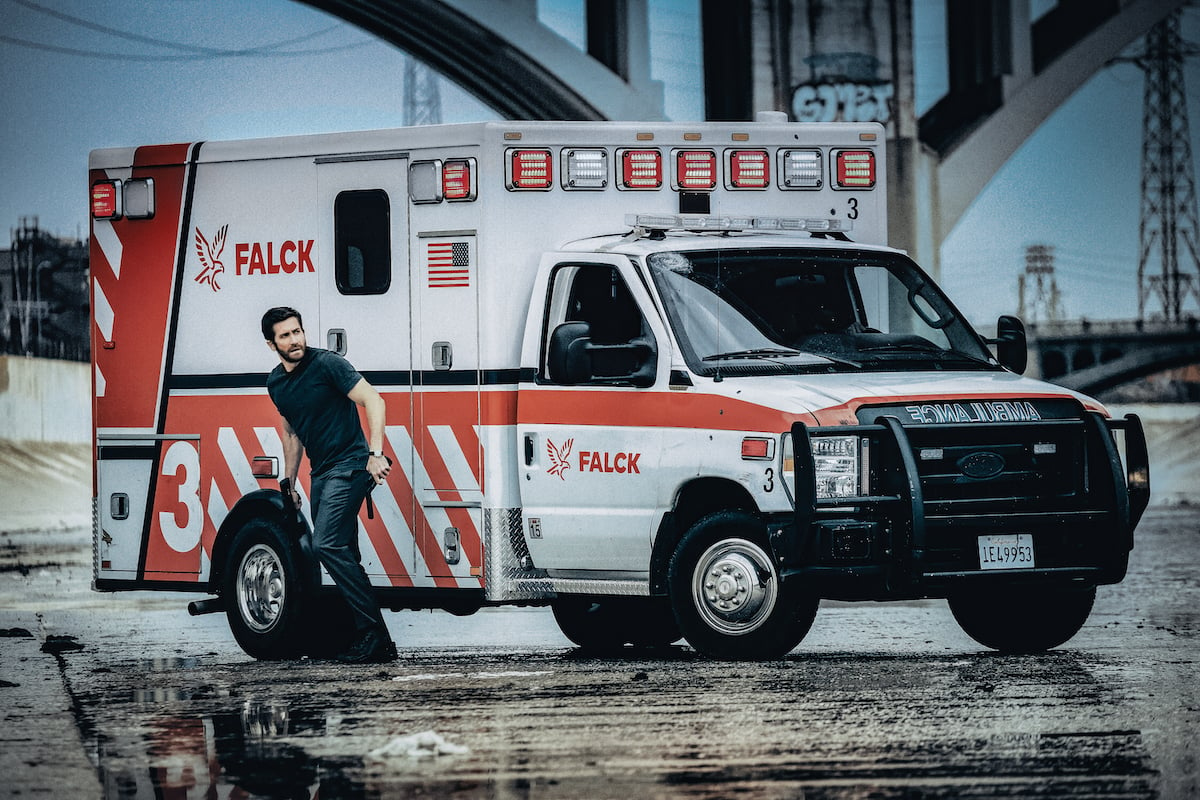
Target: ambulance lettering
x,y
603,461
998,411
257,258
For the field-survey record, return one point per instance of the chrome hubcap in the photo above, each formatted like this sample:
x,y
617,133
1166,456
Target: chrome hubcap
x,y
734,586
260,588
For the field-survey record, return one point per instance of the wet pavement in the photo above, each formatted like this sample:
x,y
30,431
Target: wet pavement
x,y
125,696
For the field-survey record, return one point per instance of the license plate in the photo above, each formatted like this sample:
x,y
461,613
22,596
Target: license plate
x,y
1006,551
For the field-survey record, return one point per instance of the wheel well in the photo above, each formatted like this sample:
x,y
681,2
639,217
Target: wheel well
x,y
695,499
262,504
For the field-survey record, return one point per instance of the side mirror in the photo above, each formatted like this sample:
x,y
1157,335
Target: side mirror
x,y
573,358
568,360
1012,350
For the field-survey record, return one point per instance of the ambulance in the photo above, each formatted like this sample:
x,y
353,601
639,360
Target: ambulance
x,y
667,379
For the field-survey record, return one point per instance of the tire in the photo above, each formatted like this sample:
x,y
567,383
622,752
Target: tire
x,y
266,591
1023,620
727,594
607,624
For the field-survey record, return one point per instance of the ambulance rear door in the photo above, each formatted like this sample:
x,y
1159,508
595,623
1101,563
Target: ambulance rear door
x,y
365,315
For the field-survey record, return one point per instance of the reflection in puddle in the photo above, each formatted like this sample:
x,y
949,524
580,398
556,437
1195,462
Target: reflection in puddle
x,y
241,754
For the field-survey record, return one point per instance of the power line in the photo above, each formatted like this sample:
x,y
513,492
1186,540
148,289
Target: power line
x,y
147,57
193,52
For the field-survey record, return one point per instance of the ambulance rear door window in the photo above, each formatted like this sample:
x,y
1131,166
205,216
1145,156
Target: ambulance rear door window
x,y
362,225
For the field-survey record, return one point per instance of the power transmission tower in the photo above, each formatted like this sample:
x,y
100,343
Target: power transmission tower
x,y
422,97
1046,303
1168,225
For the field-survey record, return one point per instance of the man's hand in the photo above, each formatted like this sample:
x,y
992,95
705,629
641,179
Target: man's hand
x,y
379,467
290,492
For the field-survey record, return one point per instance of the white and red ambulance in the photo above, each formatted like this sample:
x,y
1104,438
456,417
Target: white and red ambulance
x,y
666,378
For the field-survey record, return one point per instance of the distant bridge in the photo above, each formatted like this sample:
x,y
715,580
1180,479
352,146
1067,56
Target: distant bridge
x,y
1093,356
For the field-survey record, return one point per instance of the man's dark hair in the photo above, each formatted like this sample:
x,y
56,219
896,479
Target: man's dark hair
x,y
278,314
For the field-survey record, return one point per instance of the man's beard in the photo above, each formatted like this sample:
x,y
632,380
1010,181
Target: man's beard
x,y
287,356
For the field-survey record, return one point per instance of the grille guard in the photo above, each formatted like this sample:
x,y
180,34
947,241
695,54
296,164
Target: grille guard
x,y
1121,493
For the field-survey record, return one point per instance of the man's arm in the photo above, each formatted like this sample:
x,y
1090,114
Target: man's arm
x,y
293,449
365,395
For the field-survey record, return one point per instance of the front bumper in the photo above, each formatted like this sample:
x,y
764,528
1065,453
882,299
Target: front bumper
x,y
917,533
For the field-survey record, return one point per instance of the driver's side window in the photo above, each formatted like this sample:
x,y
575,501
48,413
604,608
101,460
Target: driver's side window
x,y
595,332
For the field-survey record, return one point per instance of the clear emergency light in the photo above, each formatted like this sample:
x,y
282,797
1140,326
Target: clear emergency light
x,y
855,169
747,169
106,200
640,169
529,170
800,169
695,170
458,179
585,169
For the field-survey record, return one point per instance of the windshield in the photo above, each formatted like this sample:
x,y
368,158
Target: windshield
x,y
761,311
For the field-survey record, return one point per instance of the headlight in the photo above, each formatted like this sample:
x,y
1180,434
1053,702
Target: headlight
x,y
837,461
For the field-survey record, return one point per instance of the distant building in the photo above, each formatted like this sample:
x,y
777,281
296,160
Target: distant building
x,y
44,295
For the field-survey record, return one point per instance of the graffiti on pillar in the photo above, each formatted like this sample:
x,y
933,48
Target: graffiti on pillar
x,y
842,102
830,60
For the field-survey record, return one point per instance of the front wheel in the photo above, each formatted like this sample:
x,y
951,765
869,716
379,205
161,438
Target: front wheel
x,y
264,590
1023,620
727,593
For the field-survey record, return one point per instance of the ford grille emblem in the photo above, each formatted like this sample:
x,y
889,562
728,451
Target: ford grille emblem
x,y
981,465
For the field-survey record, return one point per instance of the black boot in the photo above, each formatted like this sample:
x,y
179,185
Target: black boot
x,y
372,646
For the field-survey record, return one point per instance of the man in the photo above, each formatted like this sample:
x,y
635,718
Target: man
x,y
317,393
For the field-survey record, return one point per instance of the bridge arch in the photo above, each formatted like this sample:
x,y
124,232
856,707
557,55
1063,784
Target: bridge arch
x,y
1137,363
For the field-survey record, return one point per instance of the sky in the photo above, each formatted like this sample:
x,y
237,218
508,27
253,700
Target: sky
x,y
83,74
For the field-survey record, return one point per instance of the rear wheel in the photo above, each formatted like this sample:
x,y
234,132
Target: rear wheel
x,y
610,623
1023,619
727,593
265,591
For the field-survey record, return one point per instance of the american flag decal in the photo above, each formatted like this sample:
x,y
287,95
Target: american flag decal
x,y
449,264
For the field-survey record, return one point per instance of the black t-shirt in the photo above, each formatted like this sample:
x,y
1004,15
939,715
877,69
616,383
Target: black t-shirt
x,y
312,398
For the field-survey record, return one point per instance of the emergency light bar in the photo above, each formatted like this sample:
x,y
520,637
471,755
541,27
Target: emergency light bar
x,y
700,222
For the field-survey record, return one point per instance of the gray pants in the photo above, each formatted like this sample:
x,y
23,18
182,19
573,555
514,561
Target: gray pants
x,y
336,499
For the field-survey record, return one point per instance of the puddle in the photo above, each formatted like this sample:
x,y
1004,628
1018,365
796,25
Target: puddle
x,y
250,752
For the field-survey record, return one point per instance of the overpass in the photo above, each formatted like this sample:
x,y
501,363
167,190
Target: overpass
x,y
1093,356
1006,73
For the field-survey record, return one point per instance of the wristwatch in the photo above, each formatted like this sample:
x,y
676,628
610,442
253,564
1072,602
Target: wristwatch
x,y
377,453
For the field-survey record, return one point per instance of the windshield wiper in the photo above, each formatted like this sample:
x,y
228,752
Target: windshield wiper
x,y
777,352
932,350
758,352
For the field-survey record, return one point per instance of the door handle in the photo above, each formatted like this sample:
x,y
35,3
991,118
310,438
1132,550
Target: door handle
x,y
335,340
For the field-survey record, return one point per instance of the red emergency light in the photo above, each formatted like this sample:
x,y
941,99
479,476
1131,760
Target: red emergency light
x,y
695,170
530,169
106,200
748,169
458,180
641,169
855,169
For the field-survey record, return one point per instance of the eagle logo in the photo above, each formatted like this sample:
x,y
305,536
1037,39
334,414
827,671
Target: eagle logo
x,y
558,458
210,257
